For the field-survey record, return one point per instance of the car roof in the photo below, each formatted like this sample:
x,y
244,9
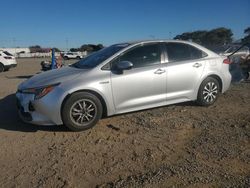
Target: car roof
x,y
155,40
168,40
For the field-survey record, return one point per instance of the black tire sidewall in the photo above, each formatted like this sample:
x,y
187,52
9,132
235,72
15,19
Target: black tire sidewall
x,y
200,98
1,67
68,104
246,75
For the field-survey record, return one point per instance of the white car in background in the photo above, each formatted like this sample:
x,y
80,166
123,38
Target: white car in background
x,y
72,55
236,52
7,61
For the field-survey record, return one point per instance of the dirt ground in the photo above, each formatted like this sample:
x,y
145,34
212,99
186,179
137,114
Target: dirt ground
x,y
181,145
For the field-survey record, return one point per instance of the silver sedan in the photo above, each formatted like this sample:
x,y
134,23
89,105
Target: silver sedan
x,y
123,78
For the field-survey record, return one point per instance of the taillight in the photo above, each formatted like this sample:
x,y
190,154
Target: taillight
x,y
226,61
7,57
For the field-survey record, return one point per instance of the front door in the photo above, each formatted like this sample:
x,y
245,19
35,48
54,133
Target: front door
x,y
143,86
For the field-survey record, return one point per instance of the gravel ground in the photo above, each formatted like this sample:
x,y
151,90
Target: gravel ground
x,y
180,145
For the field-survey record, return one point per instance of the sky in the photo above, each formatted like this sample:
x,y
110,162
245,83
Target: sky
x,y
65,24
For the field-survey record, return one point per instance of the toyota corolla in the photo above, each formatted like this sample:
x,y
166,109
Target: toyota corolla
x,y
123,78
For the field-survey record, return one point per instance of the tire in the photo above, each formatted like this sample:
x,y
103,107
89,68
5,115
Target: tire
x,y
78,57
246,75
66,58
208,92
1,67
77,117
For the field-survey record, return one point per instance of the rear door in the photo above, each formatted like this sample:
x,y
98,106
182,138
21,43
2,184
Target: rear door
x,y
143,86
184,70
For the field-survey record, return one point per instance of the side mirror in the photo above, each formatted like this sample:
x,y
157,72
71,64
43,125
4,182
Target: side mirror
x,y
124,65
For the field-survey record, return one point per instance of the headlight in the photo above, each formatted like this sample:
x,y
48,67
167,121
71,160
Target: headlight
x,y
40,92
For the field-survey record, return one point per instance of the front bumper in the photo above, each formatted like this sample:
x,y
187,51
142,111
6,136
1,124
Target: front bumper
x,y
45,111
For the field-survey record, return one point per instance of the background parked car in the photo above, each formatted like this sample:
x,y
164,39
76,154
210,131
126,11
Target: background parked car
x,y
72,55
7,61
239,56
227,50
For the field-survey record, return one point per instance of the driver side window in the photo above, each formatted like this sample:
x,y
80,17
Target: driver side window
x,y
146,55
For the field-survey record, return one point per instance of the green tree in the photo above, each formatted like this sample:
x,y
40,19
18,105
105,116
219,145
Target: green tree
x,y
218,36
57,50
184,36
74,49
88,48
35,48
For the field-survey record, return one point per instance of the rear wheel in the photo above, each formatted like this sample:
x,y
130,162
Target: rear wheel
x,y
81,111
208,92
1,67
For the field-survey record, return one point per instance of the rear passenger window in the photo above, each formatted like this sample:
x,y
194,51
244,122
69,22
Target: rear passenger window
x,y
196,53
182,52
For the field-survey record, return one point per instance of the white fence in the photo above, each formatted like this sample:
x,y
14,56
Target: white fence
x,y
22,55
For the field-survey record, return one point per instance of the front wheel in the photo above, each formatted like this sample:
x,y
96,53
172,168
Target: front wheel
x,y
208,92
81,111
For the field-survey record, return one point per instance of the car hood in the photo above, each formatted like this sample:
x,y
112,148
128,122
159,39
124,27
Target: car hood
x,y
51,77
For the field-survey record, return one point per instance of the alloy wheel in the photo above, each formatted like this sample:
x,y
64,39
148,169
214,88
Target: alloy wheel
x,y
83,112
210,92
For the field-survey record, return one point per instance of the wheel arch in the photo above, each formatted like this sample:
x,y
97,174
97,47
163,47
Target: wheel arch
x,y
99,96
198,95
215,76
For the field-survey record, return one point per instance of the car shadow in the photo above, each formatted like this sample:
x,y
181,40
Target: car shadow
x,y
20,77
9,119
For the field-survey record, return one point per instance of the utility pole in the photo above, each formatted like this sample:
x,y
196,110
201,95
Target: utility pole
x,y
67,44
14,44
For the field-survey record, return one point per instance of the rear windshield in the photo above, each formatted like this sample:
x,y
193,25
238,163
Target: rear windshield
x,y
100,56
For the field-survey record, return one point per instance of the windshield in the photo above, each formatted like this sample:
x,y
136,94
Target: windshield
x,y
98,57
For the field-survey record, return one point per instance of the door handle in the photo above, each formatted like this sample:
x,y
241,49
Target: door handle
x,y
197,65
159,71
